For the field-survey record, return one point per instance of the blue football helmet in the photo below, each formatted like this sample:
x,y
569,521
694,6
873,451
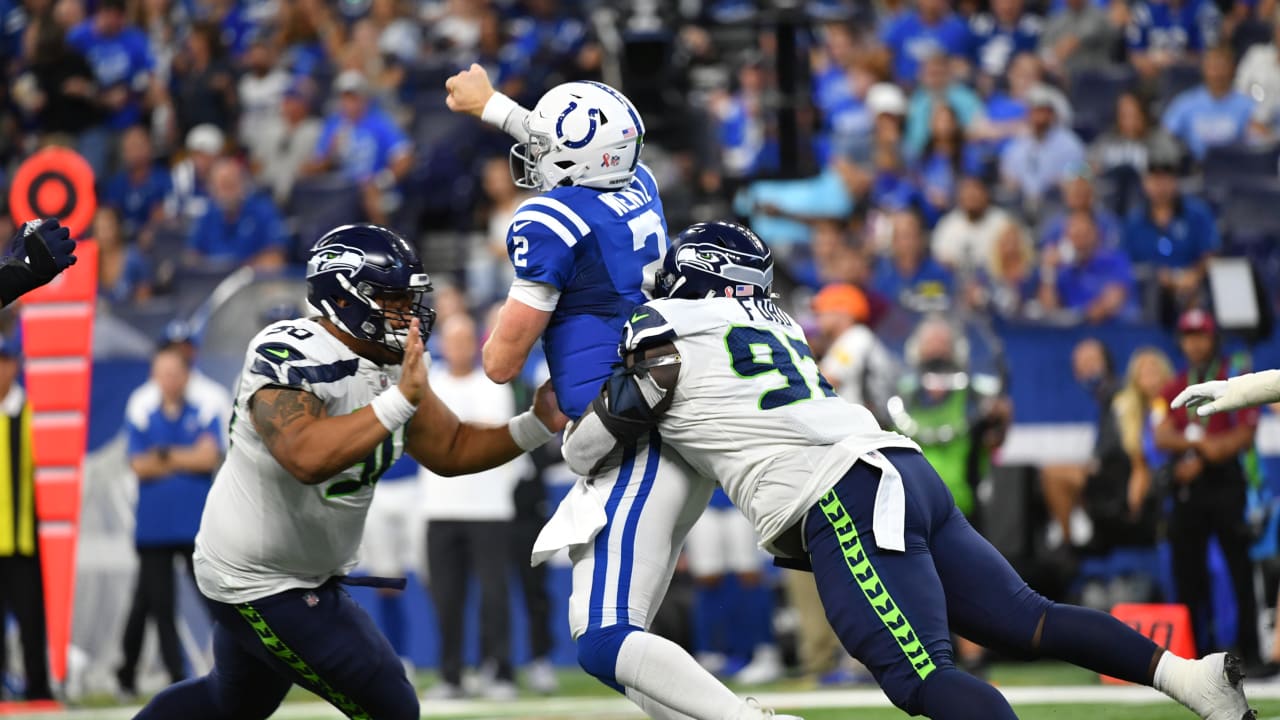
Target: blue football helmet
x,y
717,259
353,273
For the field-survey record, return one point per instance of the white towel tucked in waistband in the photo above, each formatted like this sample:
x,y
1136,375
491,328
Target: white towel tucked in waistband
x,y
889,522
577,520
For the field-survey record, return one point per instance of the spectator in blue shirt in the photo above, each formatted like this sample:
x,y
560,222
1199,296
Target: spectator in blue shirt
x,y
124,274
929,30
996,37
1162,33
892,188
1214,113
943,161
1173,232
1078,196
1006,113
558,45
363,144
121,60
202,86
13,22
937,86
1082,278
139,190
238,227
747,141
189,177
1035,163
908,276
173,452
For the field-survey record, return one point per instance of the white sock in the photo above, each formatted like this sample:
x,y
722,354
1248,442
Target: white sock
x,y
663,674
653,708
1176,676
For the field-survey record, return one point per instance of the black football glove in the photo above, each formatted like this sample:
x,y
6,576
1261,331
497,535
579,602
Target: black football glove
x,y
40,250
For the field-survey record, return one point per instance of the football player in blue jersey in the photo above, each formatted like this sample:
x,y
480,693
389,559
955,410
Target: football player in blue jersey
x,y
583,251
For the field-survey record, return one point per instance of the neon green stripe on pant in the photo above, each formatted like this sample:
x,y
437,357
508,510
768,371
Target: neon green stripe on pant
x,y
876,593
287,656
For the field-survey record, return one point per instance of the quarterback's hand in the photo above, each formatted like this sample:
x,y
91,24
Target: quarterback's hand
x,y
469,91
1206,397
413,372
547,409
45,247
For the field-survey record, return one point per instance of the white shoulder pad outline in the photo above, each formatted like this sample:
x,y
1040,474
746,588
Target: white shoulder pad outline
x,y
557,217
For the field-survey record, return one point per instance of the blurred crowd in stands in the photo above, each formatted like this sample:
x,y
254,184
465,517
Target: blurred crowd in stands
x,y
1076,160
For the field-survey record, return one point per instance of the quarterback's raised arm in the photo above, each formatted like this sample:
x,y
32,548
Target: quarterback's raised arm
x,y
470,92
1243,391
447,446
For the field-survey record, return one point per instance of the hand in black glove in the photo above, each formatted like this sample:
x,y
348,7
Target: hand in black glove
x,y
40,250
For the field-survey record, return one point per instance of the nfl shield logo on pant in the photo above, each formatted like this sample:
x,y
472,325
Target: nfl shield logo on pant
x,y
311,599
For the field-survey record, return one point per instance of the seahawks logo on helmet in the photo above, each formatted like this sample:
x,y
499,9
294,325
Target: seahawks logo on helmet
x,y
336,257
720,261
703,257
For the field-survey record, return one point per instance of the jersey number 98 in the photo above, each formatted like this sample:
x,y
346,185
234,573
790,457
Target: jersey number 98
x,y
745,345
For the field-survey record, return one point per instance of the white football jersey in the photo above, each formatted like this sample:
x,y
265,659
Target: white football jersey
x,y
263,531
752,410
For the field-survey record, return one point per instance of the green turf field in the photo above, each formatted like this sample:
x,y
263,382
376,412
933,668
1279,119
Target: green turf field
x,y
1166,711
1040,691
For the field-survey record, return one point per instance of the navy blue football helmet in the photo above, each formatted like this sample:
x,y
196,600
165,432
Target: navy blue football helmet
x,y
356,272
717,259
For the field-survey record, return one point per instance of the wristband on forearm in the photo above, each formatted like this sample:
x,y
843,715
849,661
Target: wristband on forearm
x,y
392,408
528,432
503,113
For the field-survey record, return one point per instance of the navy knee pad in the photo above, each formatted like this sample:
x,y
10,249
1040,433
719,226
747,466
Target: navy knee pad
x,y
950,694
598,652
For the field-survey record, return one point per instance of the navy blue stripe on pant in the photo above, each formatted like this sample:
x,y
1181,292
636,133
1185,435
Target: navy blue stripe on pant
x,y
319,639
894,611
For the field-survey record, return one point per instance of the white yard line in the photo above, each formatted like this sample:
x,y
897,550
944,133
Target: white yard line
x,y
619,707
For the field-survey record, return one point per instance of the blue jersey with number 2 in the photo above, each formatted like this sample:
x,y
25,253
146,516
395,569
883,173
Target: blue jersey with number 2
x,y
597,249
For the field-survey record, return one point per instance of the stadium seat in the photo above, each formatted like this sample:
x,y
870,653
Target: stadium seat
x,y
192,285
1174,80
322,203
1231,165
58,385
150,318
58,495
1093,94
1249,211
59,439
1121,189
57,331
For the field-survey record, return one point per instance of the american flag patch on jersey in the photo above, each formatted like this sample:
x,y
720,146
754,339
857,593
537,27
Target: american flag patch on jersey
x,y
744,290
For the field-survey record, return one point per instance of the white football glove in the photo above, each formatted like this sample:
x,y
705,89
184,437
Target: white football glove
x,y
1205,397
1225,395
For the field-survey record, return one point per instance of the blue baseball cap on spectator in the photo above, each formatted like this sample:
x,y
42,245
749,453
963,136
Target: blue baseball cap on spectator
x,y
180,331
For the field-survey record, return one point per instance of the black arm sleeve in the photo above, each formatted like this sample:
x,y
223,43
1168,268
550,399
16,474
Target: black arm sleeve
x,y
16,280
622,406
